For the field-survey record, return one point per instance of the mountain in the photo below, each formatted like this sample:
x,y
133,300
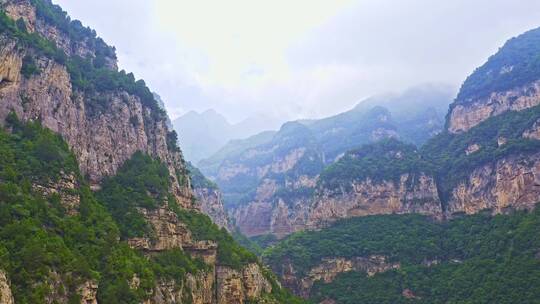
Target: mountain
x,y
203,134
400,224
267,179
96,201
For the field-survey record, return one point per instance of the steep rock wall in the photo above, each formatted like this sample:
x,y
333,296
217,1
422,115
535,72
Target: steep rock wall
x,y
511,182
211,204
5,290
410,194
102,141
330,268
465,115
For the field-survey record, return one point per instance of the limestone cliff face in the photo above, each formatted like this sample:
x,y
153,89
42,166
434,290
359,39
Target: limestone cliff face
x,y
102,140
330,268
511,182
238,286
64,188
168,231
411,194
5,290
218,284
103,134
465,115
211,204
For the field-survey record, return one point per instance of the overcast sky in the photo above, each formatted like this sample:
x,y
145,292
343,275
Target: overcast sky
x,y
299,58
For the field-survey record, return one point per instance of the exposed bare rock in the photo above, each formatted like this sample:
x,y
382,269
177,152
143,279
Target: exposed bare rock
x,y
21,9
5,290
235,287
382,133
205,250
472,149
169,232
512,182
255,284
197,289
231,290
66,187
211,204
102,141
254,218
412,194
409,294
533,132
288,162
228,172
10,63
88,292
330,268
468,114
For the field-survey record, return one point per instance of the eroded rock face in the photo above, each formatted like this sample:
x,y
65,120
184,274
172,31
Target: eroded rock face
x,y
533,132
512,182
169,232
330,268
211,204
65,188
235,287
411,194
102,140
21,9
466,115
5,290
88,292
197,289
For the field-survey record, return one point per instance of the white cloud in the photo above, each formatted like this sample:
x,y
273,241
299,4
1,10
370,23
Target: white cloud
x,y
299,58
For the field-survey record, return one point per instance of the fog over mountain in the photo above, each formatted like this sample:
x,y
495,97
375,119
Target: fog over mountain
x,y
203,134
320,59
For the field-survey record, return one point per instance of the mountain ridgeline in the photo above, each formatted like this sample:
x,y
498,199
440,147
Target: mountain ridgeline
x,y
203,134
359,163
270,176
453,221
96,201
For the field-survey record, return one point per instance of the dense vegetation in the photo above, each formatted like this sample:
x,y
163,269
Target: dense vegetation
x,y
385,160
446,152
443,156
41,245
141,182
481,258
517,63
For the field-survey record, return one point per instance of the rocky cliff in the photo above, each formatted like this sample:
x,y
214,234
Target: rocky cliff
x,y
313,202
209,198
58,73
269,182
5,290
330,268
101,140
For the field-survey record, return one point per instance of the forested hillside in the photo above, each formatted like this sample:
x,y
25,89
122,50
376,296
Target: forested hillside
x,y
471,259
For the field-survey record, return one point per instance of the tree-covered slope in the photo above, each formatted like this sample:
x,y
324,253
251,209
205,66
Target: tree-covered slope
x,y
47,244
472,259
517,63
